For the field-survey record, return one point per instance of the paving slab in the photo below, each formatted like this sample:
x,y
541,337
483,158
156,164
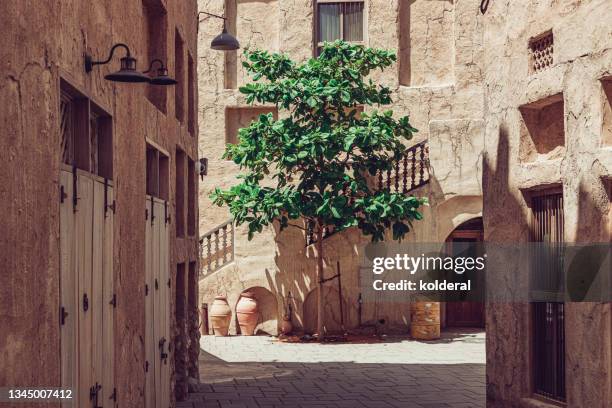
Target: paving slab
x,y
397,372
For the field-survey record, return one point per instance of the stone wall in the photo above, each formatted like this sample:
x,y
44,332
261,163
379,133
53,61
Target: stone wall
x,y
547,128
43,44
437,81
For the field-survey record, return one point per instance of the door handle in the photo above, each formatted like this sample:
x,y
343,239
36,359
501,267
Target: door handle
x,y
162,354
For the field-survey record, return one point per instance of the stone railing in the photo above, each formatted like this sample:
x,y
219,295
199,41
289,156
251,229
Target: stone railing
x,y
217,248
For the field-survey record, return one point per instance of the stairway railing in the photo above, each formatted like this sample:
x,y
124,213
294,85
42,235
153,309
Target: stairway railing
x,y
410,172
217,248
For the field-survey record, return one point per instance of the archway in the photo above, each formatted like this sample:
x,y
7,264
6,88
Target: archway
x,y
268,311
465,314
333,320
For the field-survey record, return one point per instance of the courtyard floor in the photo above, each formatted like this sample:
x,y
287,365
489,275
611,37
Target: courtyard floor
x,y
397,372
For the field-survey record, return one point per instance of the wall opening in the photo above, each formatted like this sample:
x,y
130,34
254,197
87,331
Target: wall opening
x,y
156,26
179,72
157,173
191,99
179,194
267,307
606,131
426,42
332,319
542,129
230,72
191,197
241,117
86,133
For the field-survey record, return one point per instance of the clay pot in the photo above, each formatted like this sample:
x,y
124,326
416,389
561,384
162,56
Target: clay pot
x,y
247,313
286,325
220,316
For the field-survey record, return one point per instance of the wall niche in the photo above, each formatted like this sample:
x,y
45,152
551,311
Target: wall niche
x,y
542,129
426,42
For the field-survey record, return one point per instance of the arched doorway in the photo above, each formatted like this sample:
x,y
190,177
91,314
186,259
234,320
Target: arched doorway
x,y
332,319
465,314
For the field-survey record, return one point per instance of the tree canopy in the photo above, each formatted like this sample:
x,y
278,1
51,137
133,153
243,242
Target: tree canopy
x,y
322,150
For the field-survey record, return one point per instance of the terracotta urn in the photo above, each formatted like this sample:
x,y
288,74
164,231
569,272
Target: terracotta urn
x,y
247,314
286,325
220,316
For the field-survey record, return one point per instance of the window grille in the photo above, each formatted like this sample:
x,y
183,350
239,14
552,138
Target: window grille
x,y
548,317
541,52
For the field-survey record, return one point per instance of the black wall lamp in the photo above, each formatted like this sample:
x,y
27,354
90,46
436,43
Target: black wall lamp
x,y
162,77
127,72
224,41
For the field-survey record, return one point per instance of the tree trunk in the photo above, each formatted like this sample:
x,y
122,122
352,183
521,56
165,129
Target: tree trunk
x,y
319,245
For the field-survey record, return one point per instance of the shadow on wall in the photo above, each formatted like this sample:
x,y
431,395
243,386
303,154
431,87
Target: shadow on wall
x,y
334,320
267,307
505,221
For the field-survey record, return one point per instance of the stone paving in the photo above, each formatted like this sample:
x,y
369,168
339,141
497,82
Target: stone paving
x,y
262,372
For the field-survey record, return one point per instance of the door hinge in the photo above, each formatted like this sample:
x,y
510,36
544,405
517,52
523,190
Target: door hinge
x,y
106,204
113,301
166,216
75,183
146,290
63,194
156,284
85,302
113,396
63,314
94,393
152,211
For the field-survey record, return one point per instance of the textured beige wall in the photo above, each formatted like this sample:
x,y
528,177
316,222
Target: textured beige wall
x,y
446,105
582,57
44,43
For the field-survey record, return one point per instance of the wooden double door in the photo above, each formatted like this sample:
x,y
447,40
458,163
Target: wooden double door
x,y
157,304
465,314
87,299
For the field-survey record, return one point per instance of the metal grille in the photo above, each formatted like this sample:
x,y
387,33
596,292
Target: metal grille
x,y
66,129
548,317
541,50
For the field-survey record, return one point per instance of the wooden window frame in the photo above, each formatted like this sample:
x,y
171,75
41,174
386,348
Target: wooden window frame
x,y
317,44
83,108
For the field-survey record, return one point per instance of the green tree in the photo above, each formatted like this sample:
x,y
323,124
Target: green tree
x,y
319,156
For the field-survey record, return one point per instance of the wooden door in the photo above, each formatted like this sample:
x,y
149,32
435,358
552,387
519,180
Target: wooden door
x,y
157,313
86,289
465,314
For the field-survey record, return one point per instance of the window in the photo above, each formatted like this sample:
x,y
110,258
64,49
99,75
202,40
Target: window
x,y
157,173
179,67
339,20
156,25
86,133
179,198
548,317
606,131
191,102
